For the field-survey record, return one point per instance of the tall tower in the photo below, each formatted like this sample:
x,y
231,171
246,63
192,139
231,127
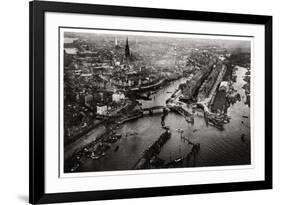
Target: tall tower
x,y
175,55
116,41
127,51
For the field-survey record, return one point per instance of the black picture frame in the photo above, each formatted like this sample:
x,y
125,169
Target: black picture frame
x,y
37,9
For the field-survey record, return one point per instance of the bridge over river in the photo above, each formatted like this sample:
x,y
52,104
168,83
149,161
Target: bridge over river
x,y
154,109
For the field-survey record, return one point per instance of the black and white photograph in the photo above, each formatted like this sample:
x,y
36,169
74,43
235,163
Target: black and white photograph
x,y
135,100
131,102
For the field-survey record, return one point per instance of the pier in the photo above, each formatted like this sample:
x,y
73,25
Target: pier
x,y
152,151
206,102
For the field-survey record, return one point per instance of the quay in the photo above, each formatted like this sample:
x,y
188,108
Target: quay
x,y
183,112
206,102
152,151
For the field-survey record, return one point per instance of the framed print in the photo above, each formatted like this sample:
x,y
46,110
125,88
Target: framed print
x,y
140,102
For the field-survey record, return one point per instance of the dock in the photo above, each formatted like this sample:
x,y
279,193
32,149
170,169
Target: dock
x,y
152,151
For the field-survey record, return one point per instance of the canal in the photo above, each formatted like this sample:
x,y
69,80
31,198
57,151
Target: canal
x,y
218,148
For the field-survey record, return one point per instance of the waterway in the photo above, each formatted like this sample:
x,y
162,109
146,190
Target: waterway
x,y
218,148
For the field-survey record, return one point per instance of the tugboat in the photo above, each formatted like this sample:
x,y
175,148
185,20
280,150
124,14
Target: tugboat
x,y
243,137
76,166
116,148
189,119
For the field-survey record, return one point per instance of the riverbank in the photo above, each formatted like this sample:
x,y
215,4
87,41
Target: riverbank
x,y
94,150
74,154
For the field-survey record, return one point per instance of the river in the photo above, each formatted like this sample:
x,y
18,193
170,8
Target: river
x,y
218,148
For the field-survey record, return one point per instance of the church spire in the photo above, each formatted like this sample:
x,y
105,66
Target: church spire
x,y
116,41
127,50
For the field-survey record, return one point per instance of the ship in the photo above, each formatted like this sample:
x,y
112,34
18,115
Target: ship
x,y
149,87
